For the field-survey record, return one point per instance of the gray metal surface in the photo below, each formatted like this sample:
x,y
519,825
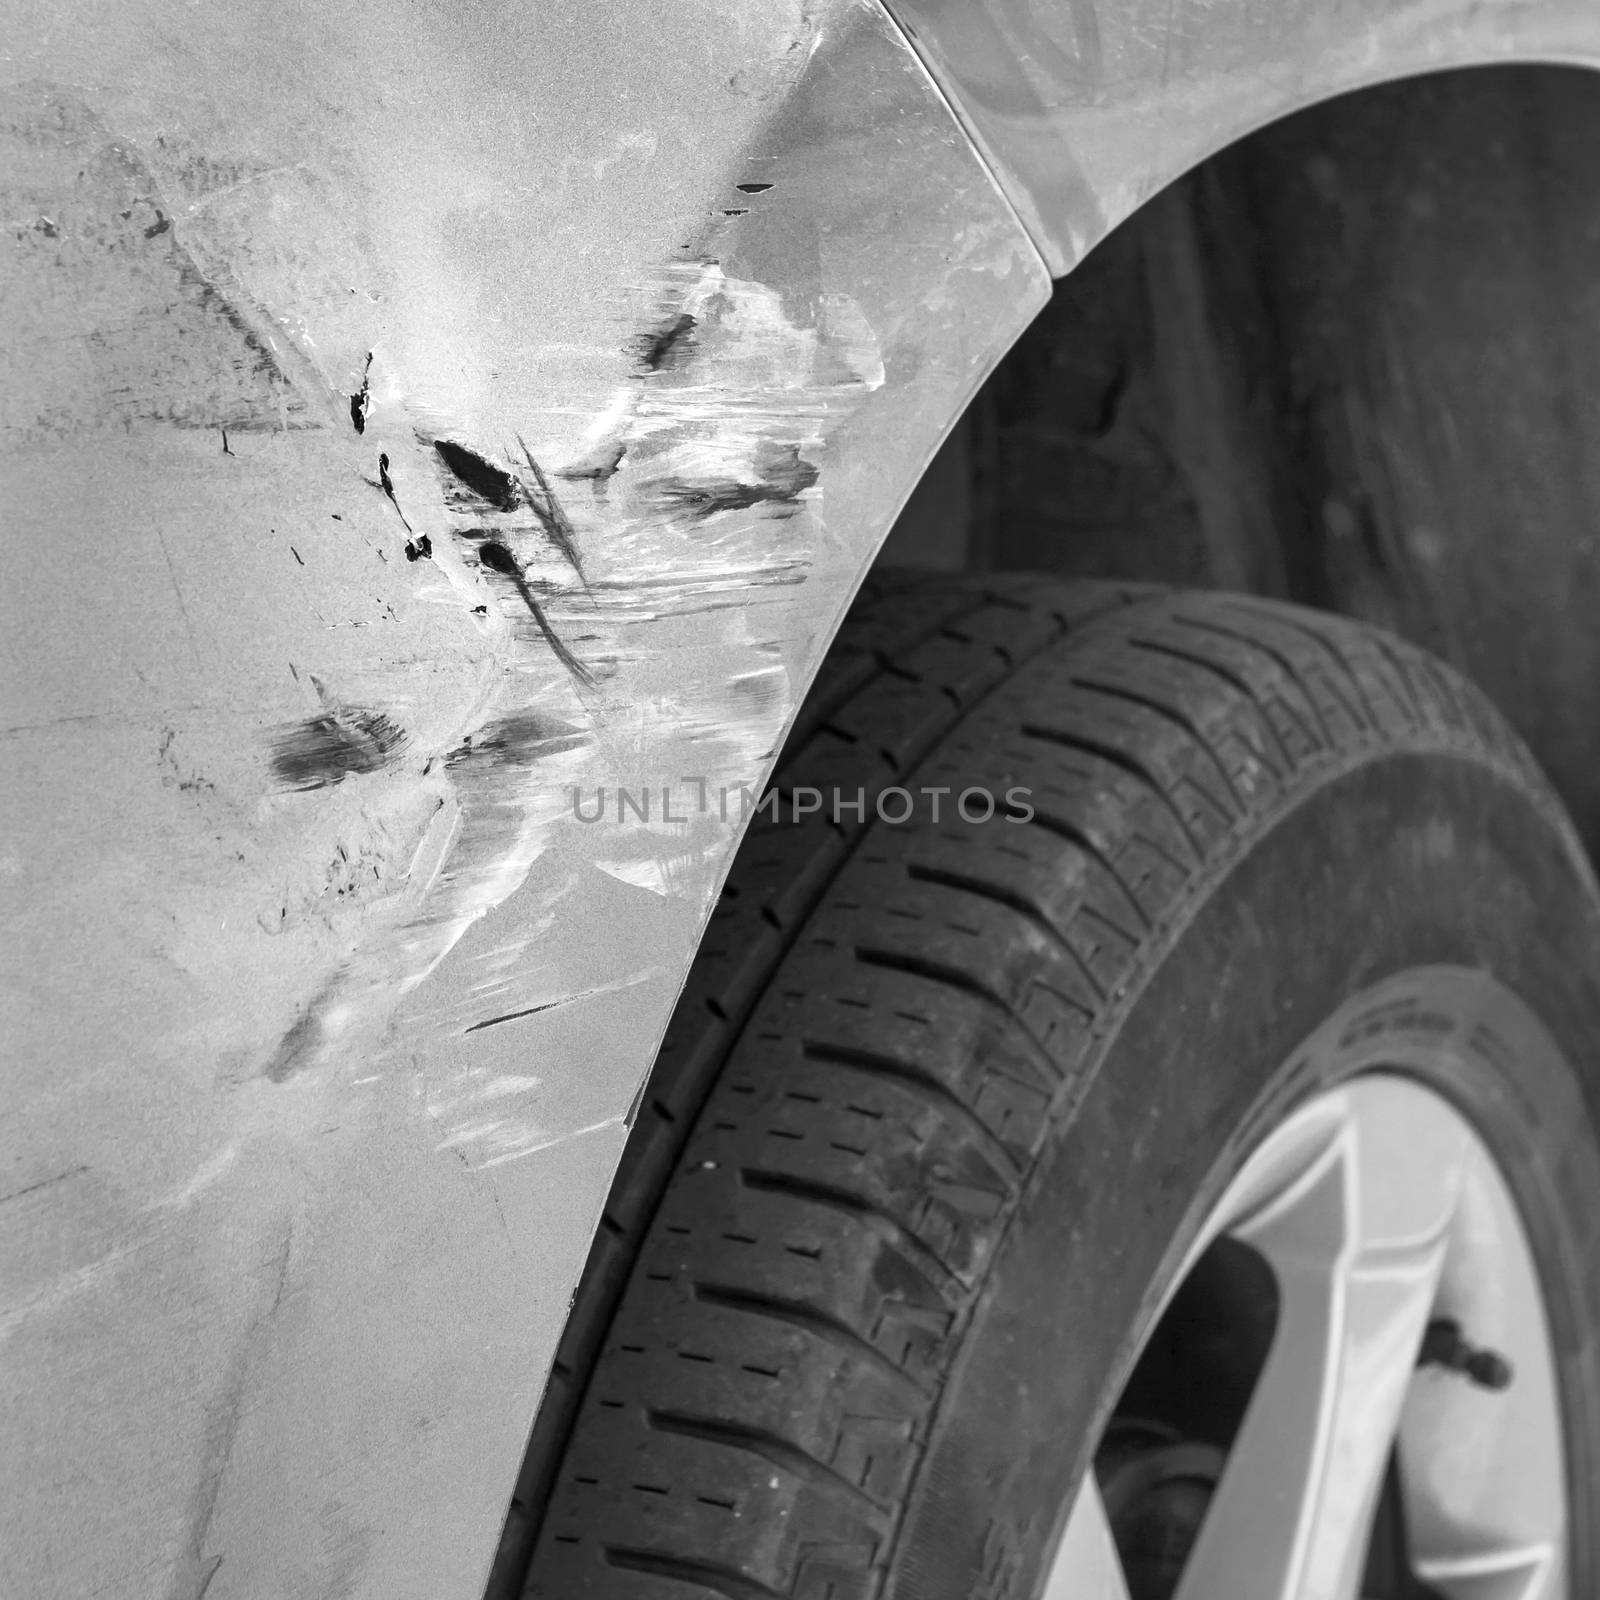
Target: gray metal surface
x,y
1085,108
323,1012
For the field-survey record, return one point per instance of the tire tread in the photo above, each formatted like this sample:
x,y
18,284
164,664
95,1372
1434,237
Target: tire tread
x,y
824,1163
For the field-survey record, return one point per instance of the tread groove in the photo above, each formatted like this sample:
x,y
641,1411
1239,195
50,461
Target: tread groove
x,y
725,1581
964,883
1324,740
1123,762
1079,840
951,977
1176,719
1413,705
799,1314
1222,674
859,1208
771,1447
1363,715
904,1075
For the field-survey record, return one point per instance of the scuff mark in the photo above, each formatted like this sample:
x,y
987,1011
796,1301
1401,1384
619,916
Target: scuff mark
x,y
651,873
732,399
43,1183
479,477
508,1084
187,346
65,1288
703,507
517,741
343,741
778,474
361,400
531,1141
532,1011
386,483
557,526
667,346
173,776
497,558
304,1036
207,1174
224,1416
598,469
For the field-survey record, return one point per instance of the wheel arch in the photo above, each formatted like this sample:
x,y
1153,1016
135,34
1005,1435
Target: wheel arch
x,y
1087,110
1347,359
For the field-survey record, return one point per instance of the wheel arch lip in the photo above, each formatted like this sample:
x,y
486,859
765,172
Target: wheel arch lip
x,y
1084,109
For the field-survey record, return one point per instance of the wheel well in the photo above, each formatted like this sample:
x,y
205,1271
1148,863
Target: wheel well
x,y
1353,360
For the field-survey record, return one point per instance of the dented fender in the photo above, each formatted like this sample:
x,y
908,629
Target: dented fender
x,y
416,420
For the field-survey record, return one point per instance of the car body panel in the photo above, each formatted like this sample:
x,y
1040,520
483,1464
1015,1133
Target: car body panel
x,y
411,422
324,1010
1086,108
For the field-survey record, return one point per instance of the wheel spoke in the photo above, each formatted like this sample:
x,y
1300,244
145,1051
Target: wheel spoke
x,y
1532,1573
1356,1238
1086,1565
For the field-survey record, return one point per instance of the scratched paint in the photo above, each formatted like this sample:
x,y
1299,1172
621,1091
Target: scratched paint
x,y
97,252
709,489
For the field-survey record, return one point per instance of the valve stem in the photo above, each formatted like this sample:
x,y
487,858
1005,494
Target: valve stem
x,y
1444,1345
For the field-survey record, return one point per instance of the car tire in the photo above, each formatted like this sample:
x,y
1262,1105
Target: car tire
x,y
946,1101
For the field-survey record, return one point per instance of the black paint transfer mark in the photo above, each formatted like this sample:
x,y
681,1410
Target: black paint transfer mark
x,y
225,450
553,520
481,477
326,749
663,349
162,223
599,469
516,741
785,475
296,1047
296,554
497,558
752,188
737,211
361,400
386,483
533,1011
418,549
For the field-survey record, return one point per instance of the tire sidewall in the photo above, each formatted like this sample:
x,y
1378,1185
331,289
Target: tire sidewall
x,y
1418,913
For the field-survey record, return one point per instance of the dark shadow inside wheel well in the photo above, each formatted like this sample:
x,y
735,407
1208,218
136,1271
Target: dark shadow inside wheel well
x,y
1353,361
